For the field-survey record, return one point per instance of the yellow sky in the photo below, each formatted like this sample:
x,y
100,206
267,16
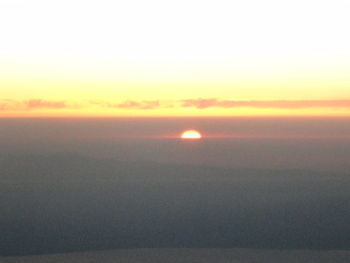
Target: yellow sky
x,y
93,57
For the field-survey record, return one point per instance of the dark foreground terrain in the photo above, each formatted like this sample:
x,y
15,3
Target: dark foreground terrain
x,y
189,256
68,203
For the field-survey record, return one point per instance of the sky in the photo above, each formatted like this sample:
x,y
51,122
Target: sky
x,y
269,181
174,58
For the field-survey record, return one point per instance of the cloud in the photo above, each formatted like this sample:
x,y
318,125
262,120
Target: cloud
x,y
3,106
33,104
278,104
40,104
142,105
199,103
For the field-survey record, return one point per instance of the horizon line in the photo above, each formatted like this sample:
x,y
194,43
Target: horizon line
x,y
345,116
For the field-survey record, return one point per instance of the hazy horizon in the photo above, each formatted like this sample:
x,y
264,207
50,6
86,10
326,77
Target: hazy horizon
x,y
85,184
188,124
293,143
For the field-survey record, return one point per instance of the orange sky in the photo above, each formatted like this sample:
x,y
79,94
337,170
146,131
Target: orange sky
x,y
189,58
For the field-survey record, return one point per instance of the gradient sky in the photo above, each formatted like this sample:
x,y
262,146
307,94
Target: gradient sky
x,y
174,58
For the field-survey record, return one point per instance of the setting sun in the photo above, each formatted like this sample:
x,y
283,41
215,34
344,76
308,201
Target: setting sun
x,y
191,134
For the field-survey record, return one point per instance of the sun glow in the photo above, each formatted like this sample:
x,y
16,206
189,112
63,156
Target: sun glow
x,y
191,135
78,68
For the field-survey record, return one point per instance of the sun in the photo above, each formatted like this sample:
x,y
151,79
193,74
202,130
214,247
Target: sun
x,y
191,135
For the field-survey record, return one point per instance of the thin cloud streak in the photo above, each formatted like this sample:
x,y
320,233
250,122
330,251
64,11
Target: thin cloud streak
x,y
132,104
33,104
142,105
199,103
277,104
37,103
